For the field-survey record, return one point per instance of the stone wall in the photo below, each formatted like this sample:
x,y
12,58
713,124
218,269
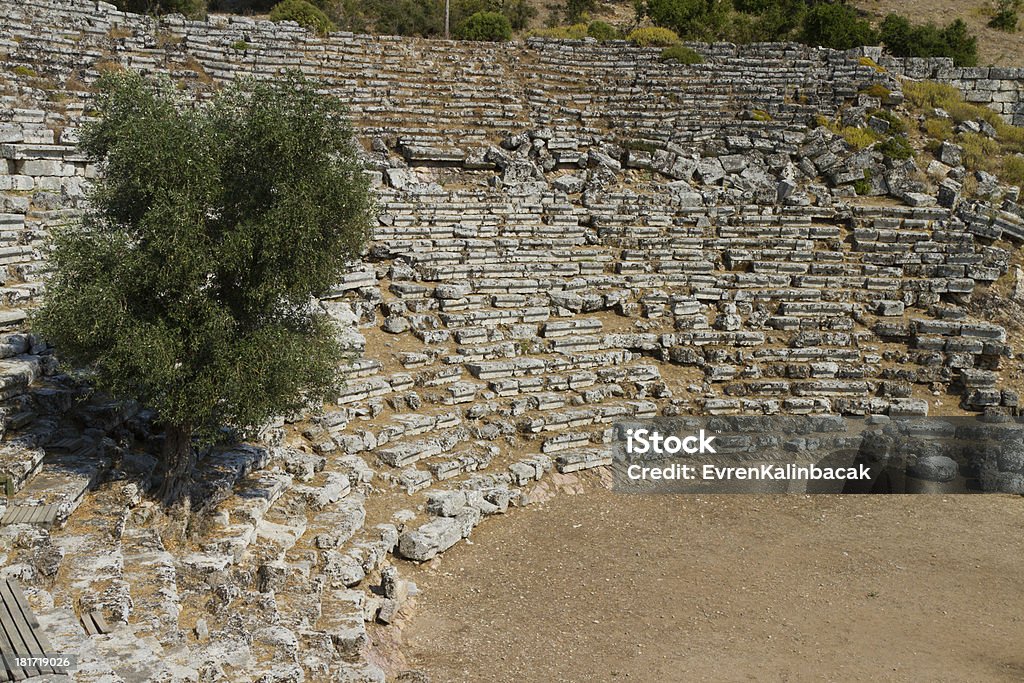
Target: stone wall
x,y
1000,88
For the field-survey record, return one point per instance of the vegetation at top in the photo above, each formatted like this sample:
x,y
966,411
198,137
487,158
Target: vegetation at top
x,y
828,23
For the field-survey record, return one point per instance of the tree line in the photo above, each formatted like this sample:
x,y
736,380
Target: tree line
x,y
826,23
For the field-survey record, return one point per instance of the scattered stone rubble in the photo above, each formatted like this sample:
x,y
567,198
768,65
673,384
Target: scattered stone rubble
x,y
570,235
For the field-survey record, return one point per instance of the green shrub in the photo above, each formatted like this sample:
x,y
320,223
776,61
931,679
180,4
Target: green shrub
x,y
653,36
896,147
897,126
240,45
863,186
761,115
1005,18
904,39
575,10
836,26
602,30
519,13
409,17
766,20
681,54
302,13
194,9
705,19
492,26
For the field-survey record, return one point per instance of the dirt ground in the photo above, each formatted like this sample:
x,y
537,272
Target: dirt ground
x,y
612,587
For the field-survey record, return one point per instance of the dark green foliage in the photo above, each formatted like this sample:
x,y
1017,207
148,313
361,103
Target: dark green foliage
x,y
492,26
602,30
896,124
863,186
190,8
681,54
303,13
519,13
1005,18
691,19
896,147
425,18
837,26
407,17
188,284
904,39
573,10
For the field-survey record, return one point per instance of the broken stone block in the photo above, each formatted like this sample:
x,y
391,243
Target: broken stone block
x,y
428,540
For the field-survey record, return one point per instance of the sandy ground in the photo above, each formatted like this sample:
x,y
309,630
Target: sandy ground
x,y
610,587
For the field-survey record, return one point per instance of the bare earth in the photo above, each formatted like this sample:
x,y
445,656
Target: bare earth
x,y
608,587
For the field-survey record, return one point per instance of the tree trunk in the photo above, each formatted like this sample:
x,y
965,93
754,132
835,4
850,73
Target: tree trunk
x,y
447,14
179,461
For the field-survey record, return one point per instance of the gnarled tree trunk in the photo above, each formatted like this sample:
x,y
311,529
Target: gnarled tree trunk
x,y
179,460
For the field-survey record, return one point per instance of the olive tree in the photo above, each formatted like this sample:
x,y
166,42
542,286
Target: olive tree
x,y
190,284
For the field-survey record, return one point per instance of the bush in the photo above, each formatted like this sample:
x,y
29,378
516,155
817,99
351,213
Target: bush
x,y
863,186
304,14
190,8
1005,18
574,10
602,30
681,54
896,124
896,147
836,26
766,20
927,40
653,36
491,26
705,19
407,17
519,13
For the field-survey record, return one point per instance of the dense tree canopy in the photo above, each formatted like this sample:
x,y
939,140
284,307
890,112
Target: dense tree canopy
x,y
189,284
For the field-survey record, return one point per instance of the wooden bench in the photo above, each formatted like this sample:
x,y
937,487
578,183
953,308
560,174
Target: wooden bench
x,y
21,636
43,515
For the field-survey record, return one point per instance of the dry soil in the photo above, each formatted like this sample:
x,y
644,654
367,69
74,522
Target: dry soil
x,y
609,587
